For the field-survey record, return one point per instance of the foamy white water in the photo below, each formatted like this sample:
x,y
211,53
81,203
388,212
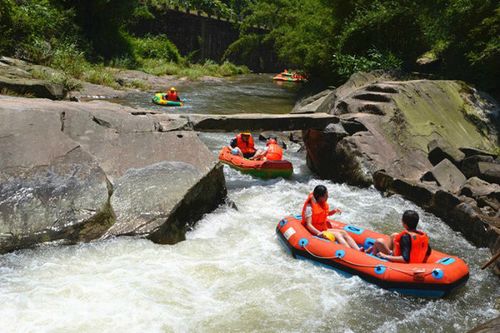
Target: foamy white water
x,y
232,275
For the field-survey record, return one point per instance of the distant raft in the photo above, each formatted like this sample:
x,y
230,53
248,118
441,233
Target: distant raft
x,y
159,99
440,275
262,169
289,77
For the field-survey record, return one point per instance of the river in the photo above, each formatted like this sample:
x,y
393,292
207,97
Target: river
x,y
232,275
240,94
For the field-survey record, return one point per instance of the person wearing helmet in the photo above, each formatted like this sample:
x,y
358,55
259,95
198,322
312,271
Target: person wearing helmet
x,y
172,95
273,151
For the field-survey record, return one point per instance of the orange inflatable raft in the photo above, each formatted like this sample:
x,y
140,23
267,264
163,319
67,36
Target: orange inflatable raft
x,y
259,168
437,277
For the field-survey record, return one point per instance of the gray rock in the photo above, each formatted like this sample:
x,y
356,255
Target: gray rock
x,y
444,202
312,104
489,171
148,192
50,189
475,188
470,165
468,220
447,176
420,193
438,151
470,151
492,326
35,88
160,200
162,181
259,121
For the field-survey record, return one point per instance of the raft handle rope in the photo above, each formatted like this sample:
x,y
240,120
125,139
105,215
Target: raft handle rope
x,y
413,273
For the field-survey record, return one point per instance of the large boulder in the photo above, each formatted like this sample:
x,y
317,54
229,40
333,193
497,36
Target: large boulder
x,y
50,189
470,165
15,77
407,137
447,175
162,180
439,151
401,119
476,188
489,171
152,183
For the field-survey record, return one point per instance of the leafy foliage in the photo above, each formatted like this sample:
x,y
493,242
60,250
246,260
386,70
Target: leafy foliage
x,y
462,35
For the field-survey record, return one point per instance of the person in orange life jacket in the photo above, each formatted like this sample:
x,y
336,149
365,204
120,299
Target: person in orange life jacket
x,y
172,95
273,151
409,246
315,213
243,145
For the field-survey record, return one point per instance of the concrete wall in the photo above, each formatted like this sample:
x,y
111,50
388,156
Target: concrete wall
x,y
204,37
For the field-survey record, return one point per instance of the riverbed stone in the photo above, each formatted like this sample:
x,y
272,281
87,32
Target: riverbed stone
x,y
439,151
489,171
32,87
470,164
447,175
158,183
147,190
50,189
475,187
402,118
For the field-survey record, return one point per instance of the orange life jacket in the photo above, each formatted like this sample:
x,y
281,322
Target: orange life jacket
x,y
172,96
419,245
274,152
246,148
319,213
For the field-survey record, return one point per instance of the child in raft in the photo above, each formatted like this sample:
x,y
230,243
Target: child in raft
x,y
315,217
408,246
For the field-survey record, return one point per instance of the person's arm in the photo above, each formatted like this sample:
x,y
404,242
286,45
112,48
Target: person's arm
x,y
311,228
405,251
259,154
334,211
309,224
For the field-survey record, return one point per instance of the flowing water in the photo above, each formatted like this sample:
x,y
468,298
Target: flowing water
x,y
232,275
243,94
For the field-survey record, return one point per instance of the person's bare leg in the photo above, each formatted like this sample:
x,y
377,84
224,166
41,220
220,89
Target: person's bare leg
x,y
383,245
339,238
350,240
343,238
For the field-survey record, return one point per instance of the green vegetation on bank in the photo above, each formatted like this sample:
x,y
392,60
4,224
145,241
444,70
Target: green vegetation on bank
x,y
331,39
89,41
459,39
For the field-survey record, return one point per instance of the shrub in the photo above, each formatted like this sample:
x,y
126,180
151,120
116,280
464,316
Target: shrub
x,y
155,47
345,64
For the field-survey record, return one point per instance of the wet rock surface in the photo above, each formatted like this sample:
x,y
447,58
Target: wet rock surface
x,y
433,142
80,171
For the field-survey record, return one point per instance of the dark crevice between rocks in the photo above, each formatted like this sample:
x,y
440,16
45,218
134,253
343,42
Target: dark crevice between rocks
x,y
194,205
62,118
373,97
101,122
372,109
459,215
382,89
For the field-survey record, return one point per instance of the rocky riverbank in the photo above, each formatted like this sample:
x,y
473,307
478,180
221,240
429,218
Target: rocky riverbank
x,y
18,77
80,171
433,142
